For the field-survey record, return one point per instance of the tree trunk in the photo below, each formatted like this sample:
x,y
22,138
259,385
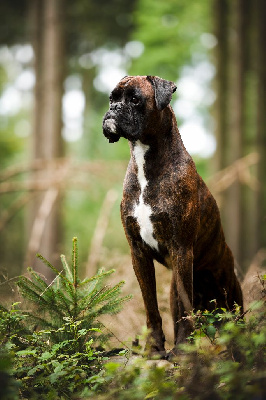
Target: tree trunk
x,y
240,117
221,82
261,123
49,47
236,103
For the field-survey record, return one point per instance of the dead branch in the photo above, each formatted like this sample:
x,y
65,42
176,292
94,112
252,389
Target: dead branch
x,y
35,185
40,221
45,209
94,167
100,230
35,165
239,170
52,174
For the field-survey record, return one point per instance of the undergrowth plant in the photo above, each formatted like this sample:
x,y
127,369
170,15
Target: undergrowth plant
x,y
71,300
50,350
224,359
54,346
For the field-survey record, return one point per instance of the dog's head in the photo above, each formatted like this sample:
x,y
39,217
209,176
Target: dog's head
x,y
134,102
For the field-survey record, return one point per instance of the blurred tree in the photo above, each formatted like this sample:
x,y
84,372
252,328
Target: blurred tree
x,y
260,32
240,86
48,19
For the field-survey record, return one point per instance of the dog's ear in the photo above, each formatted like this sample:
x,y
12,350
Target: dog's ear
x,y
163,90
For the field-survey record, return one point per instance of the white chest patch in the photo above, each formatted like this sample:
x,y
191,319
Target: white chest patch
x,y
142,211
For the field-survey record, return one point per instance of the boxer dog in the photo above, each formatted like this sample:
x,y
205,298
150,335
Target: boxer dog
x,y
167,211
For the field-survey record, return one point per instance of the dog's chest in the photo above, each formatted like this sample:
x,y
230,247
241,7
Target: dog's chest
x,y
142,210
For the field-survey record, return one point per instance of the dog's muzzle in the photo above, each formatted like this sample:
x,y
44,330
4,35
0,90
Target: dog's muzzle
x,y
110,129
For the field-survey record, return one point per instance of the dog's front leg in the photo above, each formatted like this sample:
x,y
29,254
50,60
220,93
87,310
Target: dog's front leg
x,y
144,269
181,296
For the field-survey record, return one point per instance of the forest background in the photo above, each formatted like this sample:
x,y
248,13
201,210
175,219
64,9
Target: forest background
x,y
60,177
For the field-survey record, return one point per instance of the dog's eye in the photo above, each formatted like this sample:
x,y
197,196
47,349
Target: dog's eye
x,y
134,100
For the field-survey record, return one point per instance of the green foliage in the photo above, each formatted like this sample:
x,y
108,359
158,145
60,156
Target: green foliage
x,y
56,369
53,347
69,298
170,31
137,381
223,360
11,322
210,323
46,368
8,385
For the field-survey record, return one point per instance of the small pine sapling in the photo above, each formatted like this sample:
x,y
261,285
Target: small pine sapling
x,y
68,299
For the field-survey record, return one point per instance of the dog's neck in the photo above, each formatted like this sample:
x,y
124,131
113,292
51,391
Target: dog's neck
x,y
156,148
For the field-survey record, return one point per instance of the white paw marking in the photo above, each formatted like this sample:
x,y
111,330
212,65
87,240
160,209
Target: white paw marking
x,y
143,211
